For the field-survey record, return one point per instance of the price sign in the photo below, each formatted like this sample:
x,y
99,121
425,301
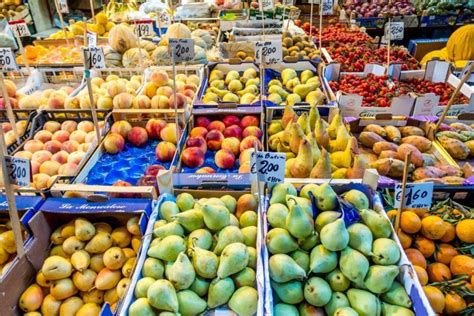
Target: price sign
x,y
265,5
328,7
63,7
94,58
417,195
19,170
7,59
91,39
288,2
269,50
163,19
144,29
20,28
182,49
394,30
268,166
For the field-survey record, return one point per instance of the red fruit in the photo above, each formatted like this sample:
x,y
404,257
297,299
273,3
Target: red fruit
x,y
216,125
192,157
121,183
198,142
202,121
229,120
154,127
153,170
138,136
249,120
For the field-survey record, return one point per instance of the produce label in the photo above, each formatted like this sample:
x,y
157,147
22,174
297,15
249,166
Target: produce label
x,y
94,58
163,19
328,8
182,49
270,52
394,30
144,28
268,166
19,170
7,59
20,28
417,195
266,5
91,39
63,7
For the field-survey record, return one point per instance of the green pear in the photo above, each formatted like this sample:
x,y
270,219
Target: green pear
x,y
190,220
201,238
252,257
290,292
360,238
310,242
305,190
279,240
205,262
185,201
168,248
394,310
397,296
377,223
302,259
337,300
322,260
227,236
212,201
142,286
153,268
230,202
200,286
141,307
326,198
345,311
385,251
250,235
281,309
83,229
302,202
168,229
162,295
159,223
168,209
334,236
356,198
364,302
246,277
283,269
181,274
248,218
276,215
215,216
306,309
190,303
313,116
317,291
233,259
244,301
379,279
353,264
338,281
99,243
280,191
220,291
233,221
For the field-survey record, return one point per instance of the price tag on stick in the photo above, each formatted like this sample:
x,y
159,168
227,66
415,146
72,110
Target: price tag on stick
x,y
328,8
94,58
181,49
63,7
20,28
394,30
270,51
417,195
19,170
144,28
163,19
268,166
7,59
91,39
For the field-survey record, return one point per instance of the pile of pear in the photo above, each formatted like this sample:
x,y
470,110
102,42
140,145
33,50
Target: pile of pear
x,y
8,245
232,87
291,89
203,256
89,264
323,266
314,148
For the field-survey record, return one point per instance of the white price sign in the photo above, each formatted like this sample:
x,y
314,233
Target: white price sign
x,y
268,166
91,39
394,30
182,49
19,170
417,195
328,7
7,59
21,29
163,19
266,5
144,29
94,58
63,7
288,2
270,51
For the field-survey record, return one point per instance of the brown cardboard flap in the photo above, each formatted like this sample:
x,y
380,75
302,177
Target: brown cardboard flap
x,y
383,116
466,116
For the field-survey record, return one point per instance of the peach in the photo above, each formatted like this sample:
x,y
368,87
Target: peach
x,y
60,156
35,167
160,102
122,128
198,141
249,120
190,86
165,91
189,93
214,140
164,152
53,146
232,144
23,154
43,136
224,159
168,133
206,170
121,183
230,119
245,155
29,102
72,103
90,137
97,81
6,127
40,181
70,146
159,78
248,142
41,156
10,138
245,167
84,147
142,102
51,181
11,88
233,131
179,86
202,121
61,136
33,146
216,125
137,136
150,89
114,88
85,126
252,131
67,169
114,143
52,126
13,103
78,136
192,157
154,127
198,131
50,167
69,126
105,103
123,101
193,79
180,101
56,102
153,170
76,157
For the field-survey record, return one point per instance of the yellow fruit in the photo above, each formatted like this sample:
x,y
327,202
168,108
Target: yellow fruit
x,y
7,241
50,306
458,43
31,299
56,268
89,309
465,230
122,38
70,306
109,26
436,298
101,18
63,289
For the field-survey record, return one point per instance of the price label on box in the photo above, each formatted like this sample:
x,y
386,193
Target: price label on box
x,y
163,19
19,170
266,5
144,29
269,50
268,166
417,195
328,7
182,49
63,7
91,39
7,59
395,30
20,28
94,58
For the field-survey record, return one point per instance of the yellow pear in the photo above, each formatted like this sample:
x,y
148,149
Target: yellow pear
x,y
122,287
111,296
50,306
288,74
128,267
295,137
84,280
339,173
68,230
121,237
93,296
99,243
72,244
288,165
97,262
42,281
58,251
70,306
322,169
107,279
56,267
342,138
136,242
103,227
315,97
63,289
83,229
31,299
305,75
114,258
7,241
321,133
316,153
231,75
303,163
4,255
80,260
89,309
303,121
288,117
334,125
56,237
343,159
129,252
133,226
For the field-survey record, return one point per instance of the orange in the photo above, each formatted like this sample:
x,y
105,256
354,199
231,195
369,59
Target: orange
x,y
410,222
462,264
453,304
465,230
422,275
425,245
444,253
416,257
433,227
438,272
436,298
405,239
450,232
392,214
31,52
418,211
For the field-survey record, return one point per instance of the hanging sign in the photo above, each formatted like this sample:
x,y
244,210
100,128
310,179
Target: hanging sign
x,y
268,166
94,58
417,195
182,49
19,170
7,59
270,51
394,30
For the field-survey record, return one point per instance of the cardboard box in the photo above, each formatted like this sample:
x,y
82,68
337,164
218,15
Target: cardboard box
x,y
418,48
